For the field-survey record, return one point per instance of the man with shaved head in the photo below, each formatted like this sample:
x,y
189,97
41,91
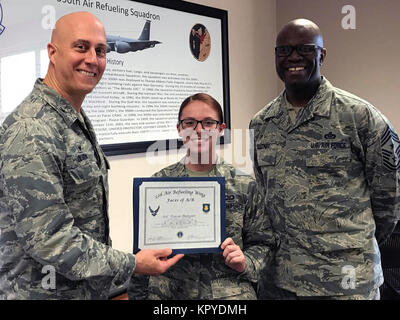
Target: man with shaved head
x,y
328,165
54,226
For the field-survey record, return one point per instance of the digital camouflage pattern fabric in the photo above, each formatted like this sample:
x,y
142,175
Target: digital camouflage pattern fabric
x,y
54,202
331,187
205,276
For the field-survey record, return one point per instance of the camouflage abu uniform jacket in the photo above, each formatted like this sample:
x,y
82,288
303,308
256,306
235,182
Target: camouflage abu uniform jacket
x,y
331,185
206,276
53,205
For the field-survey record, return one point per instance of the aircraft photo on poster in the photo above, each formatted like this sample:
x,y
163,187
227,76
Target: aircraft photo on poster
x,y
124,45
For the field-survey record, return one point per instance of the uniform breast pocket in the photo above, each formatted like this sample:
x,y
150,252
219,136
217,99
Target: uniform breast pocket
x,y
328,158
327,168
266,157
81,175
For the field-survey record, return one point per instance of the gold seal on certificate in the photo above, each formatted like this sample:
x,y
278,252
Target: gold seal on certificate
x,y
185,214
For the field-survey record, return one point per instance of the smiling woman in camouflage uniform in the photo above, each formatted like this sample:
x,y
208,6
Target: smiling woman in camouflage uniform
x,y
234,273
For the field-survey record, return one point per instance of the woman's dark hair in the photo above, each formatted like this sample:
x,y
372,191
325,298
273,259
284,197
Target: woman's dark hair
x,y
206,98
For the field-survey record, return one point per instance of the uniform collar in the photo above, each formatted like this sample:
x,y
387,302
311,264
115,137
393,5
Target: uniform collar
x,y
217,169
56,101
319,105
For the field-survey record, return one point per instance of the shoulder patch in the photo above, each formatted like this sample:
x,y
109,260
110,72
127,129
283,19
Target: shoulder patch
x,y
390,145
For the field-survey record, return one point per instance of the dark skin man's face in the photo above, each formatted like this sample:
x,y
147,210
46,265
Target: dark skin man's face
x,y
298,70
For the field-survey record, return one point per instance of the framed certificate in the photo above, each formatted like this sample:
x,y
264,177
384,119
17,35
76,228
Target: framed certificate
x,y
184,214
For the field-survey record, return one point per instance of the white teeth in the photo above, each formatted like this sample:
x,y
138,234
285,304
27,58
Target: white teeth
x,y
89,74
296,69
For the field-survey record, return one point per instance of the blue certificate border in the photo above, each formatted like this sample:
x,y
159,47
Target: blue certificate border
x,y
136,198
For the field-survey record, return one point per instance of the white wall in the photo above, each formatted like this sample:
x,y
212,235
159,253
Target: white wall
x,y
252,29
363,60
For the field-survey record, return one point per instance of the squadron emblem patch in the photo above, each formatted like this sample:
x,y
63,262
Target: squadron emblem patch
x,y
206,207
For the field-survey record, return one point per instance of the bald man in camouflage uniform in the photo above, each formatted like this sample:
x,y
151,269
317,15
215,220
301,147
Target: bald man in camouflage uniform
x,y
54,230
328,165
206,276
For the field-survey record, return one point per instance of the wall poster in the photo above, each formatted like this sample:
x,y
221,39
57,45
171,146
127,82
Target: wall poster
x,y
160,52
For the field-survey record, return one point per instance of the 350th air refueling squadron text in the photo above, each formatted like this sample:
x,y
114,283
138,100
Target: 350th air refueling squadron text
x,y
199,310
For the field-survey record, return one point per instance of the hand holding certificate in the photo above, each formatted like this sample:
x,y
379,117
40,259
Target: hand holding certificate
x,y
185,214
155,262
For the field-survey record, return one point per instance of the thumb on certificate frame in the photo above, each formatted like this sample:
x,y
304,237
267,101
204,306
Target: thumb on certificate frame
x,y
163,253
227,241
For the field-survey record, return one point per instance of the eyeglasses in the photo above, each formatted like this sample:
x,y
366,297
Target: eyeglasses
x,y
207,124
301,49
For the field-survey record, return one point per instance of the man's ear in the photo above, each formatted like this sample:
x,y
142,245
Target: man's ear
x,y
51,51
322,56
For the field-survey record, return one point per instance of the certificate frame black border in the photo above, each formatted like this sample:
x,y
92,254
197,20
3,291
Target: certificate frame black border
x,y
137,182
179,5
